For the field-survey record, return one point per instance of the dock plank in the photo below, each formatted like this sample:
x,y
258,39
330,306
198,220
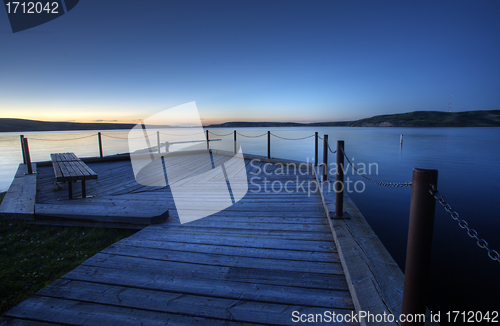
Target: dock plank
x,y
214,288
256,262
183,304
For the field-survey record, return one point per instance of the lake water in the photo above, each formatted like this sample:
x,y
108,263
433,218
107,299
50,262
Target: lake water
x,y
462,276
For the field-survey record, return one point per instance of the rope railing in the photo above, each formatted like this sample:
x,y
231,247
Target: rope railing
x,y
168,134
242,135
41,139
223,135
116,137
301,138
328,145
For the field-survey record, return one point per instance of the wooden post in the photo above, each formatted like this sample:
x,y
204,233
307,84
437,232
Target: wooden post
x,y
339,183
208,144
84,190
325,157
22,149
401,141
418,252
167,145
235,149
158,140
268,144
316,148
99,137
27,155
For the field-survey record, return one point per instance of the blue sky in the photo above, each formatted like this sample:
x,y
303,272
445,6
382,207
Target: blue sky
x,y
306,61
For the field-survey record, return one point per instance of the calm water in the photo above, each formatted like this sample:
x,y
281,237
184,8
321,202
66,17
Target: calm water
x,y
462,276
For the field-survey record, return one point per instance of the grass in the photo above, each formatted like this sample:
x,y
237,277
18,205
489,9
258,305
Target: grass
x,y
33,256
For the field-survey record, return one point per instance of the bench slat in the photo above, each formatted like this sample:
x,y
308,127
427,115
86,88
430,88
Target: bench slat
x,y
72,174
85,167
64,171
79,172
58,172
72,156
68,167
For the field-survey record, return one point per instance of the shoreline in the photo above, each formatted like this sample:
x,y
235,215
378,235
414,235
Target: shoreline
x,y
28,132
416,119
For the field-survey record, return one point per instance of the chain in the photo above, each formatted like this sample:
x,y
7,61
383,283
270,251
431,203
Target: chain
x,y
493,254
252,136
224,135
30,138
380,183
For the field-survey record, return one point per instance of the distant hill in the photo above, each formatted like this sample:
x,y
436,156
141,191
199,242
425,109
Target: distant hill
x,y
411,119
433,119
19,125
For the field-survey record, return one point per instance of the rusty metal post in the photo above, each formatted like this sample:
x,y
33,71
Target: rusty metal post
x,y
316,148
235,149
27,155
418,252
268,144
339,183
22,149
99,137
325,157
208,142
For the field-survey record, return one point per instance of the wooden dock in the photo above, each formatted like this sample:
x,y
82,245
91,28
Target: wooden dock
x,y
257,262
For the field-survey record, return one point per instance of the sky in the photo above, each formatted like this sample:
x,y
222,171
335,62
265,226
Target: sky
x,y
241,60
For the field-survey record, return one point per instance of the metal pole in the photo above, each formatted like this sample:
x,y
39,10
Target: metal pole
x,y
268,144
22,149
235,149
158,140
339,183
27,155
99,137
208,145
325,157
418,252
316,148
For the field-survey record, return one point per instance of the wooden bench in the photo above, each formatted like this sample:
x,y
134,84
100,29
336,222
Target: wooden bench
x,y
68,168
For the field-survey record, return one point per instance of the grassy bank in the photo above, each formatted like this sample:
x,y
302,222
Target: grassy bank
x,y
32,256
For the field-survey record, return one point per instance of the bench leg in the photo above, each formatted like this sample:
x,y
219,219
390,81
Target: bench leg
x,y
70,189
84,190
